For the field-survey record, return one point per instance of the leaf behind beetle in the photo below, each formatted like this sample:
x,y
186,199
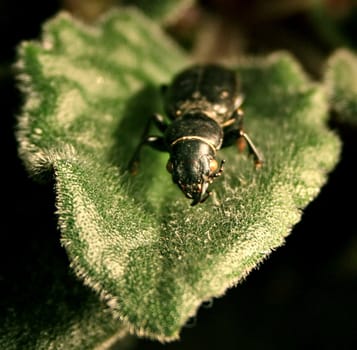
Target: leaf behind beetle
x,y
340,81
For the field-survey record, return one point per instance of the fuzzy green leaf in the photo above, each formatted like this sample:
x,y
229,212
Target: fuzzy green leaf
x,y
137,240
341,84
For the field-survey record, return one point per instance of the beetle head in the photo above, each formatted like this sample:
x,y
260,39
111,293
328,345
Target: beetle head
x,y
193,167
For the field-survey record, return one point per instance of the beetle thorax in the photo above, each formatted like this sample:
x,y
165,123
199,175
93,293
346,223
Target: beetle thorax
x,y
194,126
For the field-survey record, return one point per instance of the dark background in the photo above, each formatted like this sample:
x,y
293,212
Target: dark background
x,y
304,295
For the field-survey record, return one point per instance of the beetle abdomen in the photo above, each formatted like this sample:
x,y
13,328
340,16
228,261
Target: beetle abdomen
x,y
210,88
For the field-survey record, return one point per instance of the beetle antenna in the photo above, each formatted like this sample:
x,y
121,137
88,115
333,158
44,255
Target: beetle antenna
x,y
220,171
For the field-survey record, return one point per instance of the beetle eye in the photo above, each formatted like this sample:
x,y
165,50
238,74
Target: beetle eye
x,y
169,166
213,165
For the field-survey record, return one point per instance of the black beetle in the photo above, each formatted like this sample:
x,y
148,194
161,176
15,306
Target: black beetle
x,y
204,105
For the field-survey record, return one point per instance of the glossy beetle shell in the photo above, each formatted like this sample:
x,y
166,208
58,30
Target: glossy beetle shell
x,y
203,103
210,88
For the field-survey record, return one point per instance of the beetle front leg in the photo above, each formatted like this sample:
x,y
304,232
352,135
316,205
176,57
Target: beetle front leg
x,y
159,122
156,142
258,158
235,133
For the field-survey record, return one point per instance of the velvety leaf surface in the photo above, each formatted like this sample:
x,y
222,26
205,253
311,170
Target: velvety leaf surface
x,y
340,80
136,240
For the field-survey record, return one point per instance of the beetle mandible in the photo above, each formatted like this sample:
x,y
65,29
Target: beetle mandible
x,y
203,103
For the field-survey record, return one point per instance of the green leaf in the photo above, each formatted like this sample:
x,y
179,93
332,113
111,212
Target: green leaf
x,y
341,84
136,240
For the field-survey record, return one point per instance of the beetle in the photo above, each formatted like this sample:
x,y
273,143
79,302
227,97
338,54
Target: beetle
x,y
203,103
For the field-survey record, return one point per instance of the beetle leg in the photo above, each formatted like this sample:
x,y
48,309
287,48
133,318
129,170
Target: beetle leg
x,y
163,89
231,131
258,158
156,142
241,141
235,133
159,122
